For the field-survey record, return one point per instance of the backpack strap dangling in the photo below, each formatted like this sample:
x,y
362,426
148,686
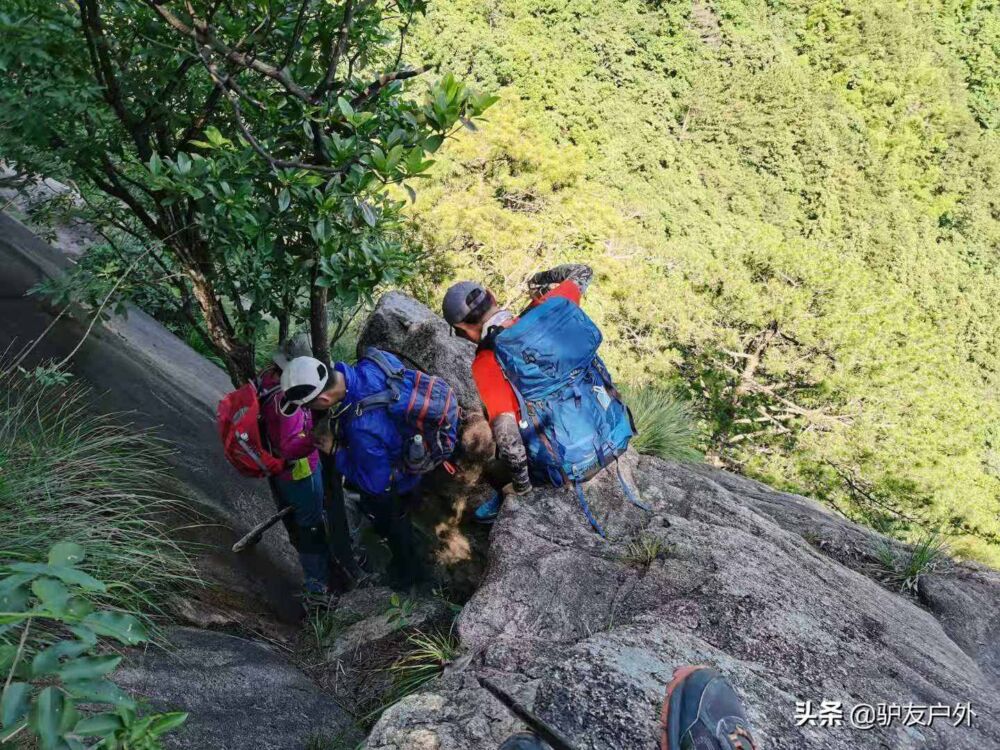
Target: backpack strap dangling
x,y
629,492
586,510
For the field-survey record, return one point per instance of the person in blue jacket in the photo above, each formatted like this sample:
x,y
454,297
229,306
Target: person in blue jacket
x,y
367,448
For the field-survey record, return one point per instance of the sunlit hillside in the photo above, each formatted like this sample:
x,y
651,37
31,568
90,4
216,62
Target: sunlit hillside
x,y
792,209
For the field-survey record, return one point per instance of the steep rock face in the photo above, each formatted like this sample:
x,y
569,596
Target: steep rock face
x,y
780,593
240,695
137,368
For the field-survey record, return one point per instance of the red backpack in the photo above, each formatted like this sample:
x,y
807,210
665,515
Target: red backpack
x,y
239,421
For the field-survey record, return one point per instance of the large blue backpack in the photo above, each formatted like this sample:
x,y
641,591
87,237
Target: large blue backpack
x,y
424,406
573,419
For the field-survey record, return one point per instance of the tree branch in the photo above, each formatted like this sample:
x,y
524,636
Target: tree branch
x,y
338,51
202,34
373,88
224,84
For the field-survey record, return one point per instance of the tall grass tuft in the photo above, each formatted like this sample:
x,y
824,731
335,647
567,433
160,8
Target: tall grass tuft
x,y
66,475
903,571
665,424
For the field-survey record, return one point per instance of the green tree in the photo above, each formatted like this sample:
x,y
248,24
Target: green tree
x,y
243,149
792,211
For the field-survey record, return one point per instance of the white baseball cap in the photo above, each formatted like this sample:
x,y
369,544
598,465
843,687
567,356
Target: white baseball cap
x,y
301,381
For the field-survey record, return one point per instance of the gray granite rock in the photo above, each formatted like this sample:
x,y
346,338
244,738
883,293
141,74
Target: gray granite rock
x,y
240,694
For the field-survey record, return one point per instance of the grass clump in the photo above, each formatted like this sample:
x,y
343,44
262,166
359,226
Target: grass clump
x,y
425,657
326,623
646,549
666,427
903,571
70,476
343,740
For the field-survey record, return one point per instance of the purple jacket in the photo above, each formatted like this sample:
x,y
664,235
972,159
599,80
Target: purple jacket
x,y
290,438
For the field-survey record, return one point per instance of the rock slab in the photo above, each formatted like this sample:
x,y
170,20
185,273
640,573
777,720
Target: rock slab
x,y
778,592
240,694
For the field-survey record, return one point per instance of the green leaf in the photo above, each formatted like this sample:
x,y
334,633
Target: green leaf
x,y
214,136
46,661
14,600
99,725
15,581
411,192
345,108
99,691
122,627
7,653
155,165
469,124
368,213
433,143
65,574
66,553
14,704
284,199
183,162
167,722
88,668
46,716
53,594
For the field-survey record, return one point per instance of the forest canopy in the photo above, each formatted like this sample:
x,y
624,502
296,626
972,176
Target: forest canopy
x,y
792,209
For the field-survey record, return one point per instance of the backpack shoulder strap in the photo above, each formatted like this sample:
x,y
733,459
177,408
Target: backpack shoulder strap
x,y
378,357
392,375
489,341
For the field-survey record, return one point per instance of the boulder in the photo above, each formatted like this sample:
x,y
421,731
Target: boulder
x,y
240,694
420,337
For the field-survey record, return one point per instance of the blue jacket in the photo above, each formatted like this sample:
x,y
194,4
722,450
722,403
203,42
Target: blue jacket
x,y
370,446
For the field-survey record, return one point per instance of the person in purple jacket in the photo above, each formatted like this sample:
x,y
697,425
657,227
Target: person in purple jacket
x,y
300,484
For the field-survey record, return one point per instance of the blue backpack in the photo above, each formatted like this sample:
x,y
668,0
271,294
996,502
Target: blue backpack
x,y
425,406
573,419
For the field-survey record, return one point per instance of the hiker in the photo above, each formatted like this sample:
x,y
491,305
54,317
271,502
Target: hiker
x,y
530,368
701,710
300,483
387,426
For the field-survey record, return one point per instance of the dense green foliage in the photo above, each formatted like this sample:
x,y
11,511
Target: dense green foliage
x,y
52,660
234,155
792,210
69,476
666,428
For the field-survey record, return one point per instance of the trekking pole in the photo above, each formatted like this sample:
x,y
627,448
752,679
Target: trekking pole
x,y
257,532
539,727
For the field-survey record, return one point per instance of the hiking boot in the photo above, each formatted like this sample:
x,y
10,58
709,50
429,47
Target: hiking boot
x,y
703,712
488,511
523,741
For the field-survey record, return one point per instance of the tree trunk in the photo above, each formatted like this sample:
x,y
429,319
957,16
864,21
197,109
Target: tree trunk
x,y
318,321
237,357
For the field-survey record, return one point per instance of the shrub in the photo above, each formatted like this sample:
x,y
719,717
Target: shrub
x,y
903,571
53,662
67,475
665,424
646,549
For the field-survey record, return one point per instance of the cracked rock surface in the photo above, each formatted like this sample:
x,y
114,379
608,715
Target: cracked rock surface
x,y
780,593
